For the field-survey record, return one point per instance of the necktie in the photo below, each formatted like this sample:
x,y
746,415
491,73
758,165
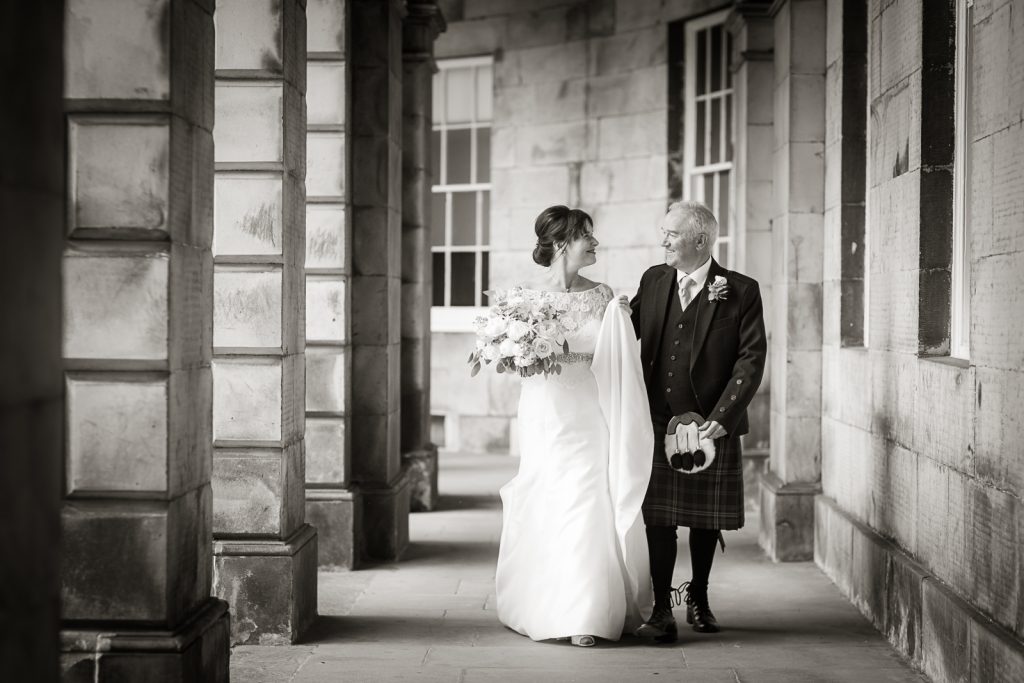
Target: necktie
x,y
684,292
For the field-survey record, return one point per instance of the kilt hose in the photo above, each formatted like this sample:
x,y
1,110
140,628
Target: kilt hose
x,y
711,499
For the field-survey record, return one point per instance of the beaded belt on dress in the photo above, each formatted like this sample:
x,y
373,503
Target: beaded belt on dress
x,y
573,357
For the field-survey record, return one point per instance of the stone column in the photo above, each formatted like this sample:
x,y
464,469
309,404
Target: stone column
x,y
376,281
753,37
138,281
788,489
265,553
333,504
421,28
31,378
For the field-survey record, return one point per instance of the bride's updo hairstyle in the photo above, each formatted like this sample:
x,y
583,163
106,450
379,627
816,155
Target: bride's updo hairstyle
x,y
555,226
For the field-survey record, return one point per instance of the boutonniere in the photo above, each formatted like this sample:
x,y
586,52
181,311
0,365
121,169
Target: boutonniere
x,y
719,289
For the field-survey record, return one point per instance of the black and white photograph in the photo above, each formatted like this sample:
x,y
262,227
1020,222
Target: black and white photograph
x,y
512,341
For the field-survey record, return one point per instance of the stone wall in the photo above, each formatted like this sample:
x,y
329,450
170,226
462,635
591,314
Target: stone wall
x,y
581,107
921,520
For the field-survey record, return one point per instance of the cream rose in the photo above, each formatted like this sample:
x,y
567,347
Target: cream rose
x,y
542,347
491,352
517,329
547,329
509,348
495,326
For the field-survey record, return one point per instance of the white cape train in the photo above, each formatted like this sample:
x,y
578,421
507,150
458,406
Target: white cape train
x,y
573,557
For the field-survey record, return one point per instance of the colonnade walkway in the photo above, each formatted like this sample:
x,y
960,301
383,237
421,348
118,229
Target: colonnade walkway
x,y
431,616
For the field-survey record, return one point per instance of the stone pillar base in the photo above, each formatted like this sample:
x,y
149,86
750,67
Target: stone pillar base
x,y
271,586
199,650
787,518
386,520
337,514
422,468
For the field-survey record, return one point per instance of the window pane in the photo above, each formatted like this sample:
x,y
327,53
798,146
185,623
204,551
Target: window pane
x,y
728,60
697,188
437,106
458,156
723,254
485,218
723,203
485,272
483,155
437,200
463,218
484,93
435,157
701,65
716,57
438,297
716,131
700,133
728,128
463,279
460,98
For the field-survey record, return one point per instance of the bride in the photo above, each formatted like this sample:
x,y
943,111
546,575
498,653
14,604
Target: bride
x,y
573,557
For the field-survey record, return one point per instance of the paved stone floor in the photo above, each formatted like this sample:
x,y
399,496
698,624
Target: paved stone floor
x,y
431,616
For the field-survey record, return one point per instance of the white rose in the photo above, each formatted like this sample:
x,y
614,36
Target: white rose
x,y
547,329
509,348
517,329
480,344
491,352
496,326
542,347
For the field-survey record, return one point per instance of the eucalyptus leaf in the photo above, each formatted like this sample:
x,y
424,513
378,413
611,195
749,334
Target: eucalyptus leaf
x,y
475,370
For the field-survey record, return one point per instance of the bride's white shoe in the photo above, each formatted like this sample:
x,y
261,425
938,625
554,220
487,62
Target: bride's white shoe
x,y
583,641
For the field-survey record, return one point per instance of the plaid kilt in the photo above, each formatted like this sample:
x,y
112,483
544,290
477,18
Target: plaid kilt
x,y
712,499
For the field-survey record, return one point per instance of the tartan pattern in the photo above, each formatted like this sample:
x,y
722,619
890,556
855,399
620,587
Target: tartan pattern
x,y
712,499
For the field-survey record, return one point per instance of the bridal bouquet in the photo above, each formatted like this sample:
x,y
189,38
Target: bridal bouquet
x,y
520,334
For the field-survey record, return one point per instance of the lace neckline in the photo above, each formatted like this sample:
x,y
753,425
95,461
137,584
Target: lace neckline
x,y
555,291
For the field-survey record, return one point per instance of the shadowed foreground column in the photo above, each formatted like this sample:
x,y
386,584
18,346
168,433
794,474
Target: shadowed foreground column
x,y
265,553
333,505
31,377
788,489
137,323
377,271
420,29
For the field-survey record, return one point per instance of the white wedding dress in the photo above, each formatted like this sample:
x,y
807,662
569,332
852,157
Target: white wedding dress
x,y
573,555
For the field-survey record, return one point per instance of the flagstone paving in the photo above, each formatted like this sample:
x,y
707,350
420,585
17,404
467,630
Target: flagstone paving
x,y
431,616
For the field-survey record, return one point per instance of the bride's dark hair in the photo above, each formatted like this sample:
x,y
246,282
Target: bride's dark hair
x,y
558,225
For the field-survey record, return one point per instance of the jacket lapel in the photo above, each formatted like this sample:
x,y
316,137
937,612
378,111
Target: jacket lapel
x,y
664,287
705,313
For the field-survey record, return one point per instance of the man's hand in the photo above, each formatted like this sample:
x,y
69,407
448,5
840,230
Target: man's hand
x,y
624,303
711,430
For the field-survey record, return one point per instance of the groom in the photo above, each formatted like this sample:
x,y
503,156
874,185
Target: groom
x,y
703,346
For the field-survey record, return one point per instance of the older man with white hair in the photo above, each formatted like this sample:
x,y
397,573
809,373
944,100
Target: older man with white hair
x,y
703,347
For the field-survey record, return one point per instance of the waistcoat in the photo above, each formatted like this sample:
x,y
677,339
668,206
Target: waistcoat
x,y
672,367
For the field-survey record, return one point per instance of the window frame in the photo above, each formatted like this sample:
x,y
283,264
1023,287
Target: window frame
x,y
960,270
448,318
727,95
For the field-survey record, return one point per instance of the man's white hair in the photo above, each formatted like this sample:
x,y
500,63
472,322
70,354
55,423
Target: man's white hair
x,y
694,218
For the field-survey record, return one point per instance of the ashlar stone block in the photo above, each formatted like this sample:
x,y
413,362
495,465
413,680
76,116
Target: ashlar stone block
x,y
326,456
325,236
117,434
325,98
115,304
247,399
326,304
248,215
119,168
326,22
249,34
325,164
326,371
247,307
248,489
117,50
249,118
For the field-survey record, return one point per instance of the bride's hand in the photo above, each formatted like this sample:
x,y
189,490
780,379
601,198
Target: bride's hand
x,y
624,302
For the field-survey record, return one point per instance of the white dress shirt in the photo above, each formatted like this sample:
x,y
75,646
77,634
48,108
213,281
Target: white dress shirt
x,y
698,277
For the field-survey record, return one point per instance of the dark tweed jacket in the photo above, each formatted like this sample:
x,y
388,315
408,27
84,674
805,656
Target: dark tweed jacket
x,y
729,342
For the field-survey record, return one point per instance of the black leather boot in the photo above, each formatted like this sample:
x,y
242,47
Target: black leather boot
x,y
661,626
698,612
